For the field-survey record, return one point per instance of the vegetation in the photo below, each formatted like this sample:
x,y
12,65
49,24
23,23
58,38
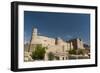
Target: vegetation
x,y
73,51
81,52
39,53
50,56
77,51
56,57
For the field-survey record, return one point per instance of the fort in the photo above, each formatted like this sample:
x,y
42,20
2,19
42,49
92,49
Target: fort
x,y
57,46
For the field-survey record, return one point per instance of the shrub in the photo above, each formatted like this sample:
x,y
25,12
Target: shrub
x,y
72,51
39,53
50,56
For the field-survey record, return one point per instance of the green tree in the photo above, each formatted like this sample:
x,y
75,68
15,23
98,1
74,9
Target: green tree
x,y
81,51
73,51
39,53
56,57
77,51
50,56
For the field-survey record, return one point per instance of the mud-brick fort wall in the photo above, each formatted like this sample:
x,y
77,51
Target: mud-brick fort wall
x,y
53,43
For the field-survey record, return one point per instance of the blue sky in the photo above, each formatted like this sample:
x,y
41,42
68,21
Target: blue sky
x,y
63,25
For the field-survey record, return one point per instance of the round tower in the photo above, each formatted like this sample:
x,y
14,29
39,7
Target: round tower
x,y
58,41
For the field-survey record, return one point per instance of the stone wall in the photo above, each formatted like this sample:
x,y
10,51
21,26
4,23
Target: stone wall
x,y
57,46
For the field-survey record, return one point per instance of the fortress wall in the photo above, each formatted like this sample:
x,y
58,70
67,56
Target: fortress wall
x,y
45,41
71,46
60,42
68,46
50,43
80,44
57,48
36,41
55,44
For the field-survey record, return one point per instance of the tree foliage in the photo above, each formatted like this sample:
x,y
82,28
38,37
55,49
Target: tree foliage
x,y
81,51
77,51
50,56
56,57
39,53
73,51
